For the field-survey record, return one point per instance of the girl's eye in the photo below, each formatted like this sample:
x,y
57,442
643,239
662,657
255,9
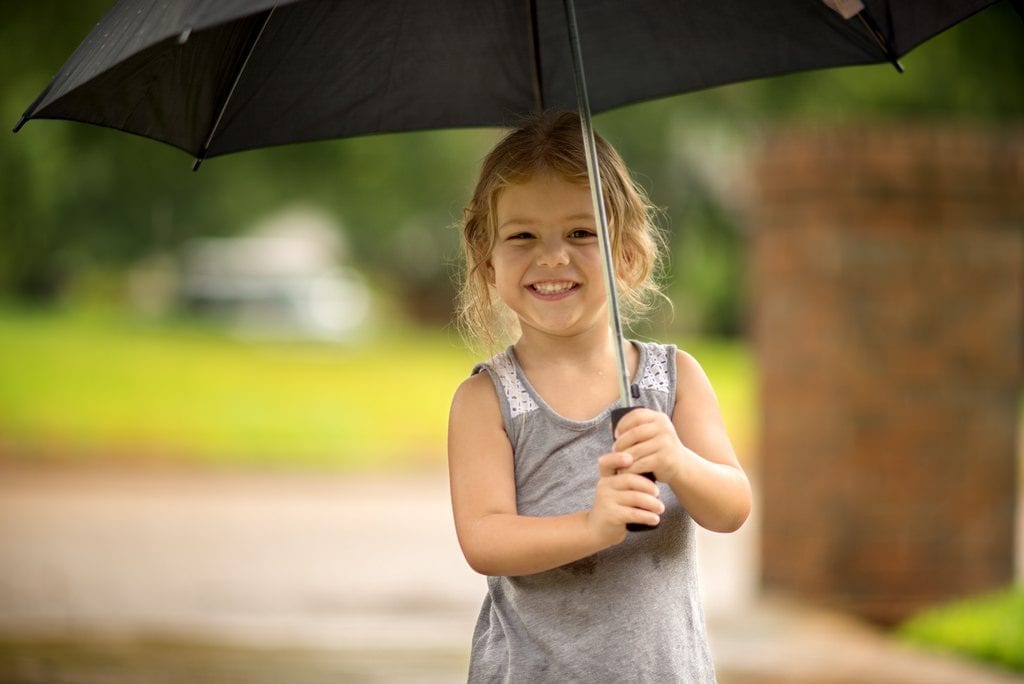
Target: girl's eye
x,y
519,236
582,233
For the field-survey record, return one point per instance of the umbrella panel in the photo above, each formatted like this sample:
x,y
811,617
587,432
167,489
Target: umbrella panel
x,y
134,95
335,68
659,48
384,68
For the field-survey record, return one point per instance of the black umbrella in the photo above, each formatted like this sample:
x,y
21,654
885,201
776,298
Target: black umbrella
x,y
218,76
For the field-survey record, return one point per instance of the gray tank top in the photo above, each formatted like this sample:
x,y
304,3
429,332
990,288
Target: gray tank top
x,y
630,613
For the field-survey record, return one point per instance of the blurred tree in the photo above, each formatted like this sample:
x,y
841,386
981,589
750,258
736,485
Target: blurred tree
x,y
687,150
78,199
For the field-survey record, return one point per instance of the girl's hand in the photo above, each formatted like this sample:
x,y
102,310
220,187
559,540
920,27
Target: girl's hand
x,y
651,438
621,497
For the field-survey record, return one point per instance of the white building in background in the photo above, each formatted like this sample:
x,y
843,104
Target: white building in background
x,y
282,279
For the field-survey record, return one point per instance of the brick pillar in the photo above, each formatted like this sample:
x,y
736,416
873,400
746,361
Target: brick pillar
x,y
888,275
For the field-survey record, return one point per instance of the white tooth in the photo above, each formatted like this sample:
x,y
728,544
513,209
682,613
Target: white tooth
x,y
552,288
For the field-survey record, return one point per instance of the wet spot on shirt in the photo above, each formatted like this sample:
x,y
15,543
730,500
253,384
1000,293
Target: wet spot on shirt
x,y
583,567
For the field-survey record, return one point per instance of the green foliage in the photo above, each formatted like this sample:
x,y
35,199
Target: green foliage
x,y
99,386
989,628
89,386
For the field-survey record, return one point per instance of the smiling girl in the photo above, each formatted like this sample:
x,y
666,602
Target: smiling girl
x,y
541,489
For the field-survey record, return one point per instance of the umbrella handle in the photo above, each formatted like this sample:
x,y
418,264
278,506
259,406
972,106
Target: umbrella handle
x,y
617,414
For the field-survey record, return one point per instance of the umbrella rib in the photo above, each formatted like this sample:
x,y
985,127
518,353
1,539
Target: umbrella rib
x,y
231,91
534,37
881,38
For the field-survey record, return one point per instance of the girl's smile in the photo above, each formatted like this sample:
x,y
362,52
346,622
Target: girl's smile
x,y
553,289
546,264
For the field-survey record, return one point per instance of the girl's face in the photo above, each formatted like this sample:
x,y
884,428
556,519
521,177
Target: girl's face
x,y
546,264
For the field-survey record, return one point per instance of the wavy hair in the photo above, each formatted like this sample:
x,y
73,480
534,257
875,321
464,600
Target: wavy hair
x,y
553,141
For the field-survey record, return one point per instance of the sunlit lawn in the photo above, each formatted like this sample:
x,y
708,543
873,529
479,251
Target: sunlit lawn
x,y
77,387
988,627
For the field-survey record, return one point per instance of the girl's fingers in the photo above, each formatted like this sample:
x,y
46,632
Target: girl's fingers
x,y
645,518
628,440
639,450
641,501
641,508
626,505
636,418
610,464
633,482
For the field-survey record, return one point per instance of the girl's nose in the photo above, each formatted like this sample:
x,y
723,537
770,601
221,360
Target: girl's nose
x,y
553,254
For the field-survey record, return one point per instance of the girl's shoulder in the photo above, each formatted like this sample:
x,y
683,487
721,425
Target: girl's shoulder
x,y
477,387
474,402
692,383
687,363
478,394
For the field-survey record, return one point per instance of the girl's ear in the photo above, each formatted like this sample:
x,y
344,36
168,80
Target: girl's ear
x,y
626,265
489,272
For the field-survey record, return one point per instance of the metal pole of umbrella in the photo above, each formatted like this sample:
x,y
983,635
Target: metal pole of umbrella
x,y
597,196
626,392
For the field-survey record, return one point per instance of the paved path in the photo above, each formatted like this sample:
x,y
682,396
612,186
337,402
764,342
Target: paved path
x,y
337,578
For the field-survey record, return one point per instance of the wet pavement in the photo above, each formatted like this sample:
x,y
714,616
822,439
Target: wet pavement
x,y
169,576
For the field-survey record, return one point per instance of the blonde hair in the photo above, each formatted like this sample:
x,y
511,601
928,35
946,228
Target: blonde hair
x,y
552,141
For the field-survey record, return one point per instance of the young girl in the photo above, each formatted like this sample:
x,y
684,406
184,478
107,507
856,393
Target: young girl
x,y
541,491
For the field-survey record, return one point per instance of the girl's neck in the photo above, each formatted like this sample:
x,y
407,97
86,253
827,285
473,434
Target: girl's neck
x,y
576,376
534,348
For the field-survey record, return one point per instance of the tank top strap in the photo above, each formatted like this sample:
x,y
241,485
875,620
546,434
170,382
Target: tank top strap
x,y
514,398
658,373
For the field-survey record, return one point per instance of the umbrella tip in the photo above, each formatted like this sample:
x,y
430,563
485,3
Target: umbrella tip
x,y
21,122
184,36
197,163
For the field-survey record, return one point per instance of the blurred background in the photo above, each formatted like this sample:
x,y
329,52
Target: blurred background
x,y
264,351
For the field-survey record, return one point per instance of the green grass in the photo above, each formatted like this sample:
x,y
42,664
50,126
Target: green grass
x,y
86,387
989,628
89,387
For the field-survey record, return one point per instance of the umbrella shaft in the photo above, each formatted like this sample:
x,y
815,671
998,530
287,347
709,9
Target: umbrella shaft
x,y
597,196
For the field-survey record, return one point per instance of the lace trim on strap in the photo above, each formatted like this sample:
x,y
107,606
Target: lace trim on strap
x,y
519,400
655,375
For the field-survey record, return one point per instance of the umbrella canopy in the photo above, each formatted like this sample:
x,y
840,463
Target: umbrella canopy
x,y
218,76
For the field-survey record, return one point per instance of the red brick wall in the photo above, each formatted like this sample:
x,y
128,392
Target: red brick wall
x,y
888,276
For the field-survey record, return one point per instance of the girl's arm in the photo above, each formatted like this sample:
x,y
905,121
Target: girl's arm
x,y
494,538
690,451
